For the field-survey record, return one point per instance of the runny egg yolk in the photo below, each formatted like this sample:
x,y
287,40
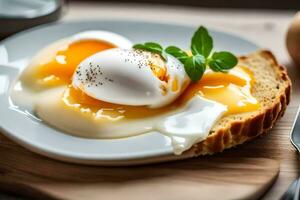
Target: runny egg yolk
x,y
59,69
232,89
158,67
78,100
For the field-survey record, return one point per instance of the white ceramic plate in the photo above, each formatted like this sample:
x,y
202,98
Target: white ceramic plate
x,y
22,126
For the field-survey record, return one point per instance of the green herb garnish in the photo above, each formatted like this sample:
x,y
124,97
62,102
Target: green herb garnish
x,y
181,55
202,55
152,47
202,42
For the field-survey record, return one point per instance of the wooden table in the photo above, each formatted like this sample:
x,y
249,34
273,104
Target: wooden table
x,y
266,28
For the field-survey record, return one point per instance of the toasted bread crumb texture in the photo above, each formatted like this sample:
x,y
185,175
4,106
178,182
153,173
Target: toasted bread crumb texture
x,y
272,89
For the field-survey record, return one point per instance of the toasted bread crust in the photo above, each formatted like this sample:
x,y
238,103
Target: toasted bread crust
x,y
240,131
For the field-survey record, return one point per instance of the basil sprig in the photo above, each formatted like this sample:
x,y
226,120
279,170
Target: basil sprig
x,y
152,47
202,55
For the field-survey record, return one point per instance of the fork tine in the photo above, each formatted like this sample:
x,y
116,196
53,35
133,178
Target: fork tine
x,y
297,190
290,193
295,134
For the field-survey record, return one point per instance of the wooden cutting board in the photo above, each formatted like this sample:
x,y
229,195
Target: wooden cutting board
x,y
212,177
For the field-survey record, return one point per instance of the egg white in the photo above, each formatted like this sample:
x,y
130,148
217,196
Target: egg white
x,y
123,76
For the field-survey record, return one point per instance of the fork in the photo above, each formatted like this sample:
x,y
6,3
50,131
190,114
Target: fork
x,y
293,192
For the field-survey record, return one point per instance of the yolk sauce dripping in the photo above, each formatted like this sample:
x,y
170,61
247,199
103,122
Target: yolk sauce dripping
x,y
78,100
60,68
232,89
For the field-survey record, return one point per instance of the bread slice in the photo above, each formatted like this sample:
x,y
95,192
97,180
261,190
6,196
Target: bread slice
x,y
272,88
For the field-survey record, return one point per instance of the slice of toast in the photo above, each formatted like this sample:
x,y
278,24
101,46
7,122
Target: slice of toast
x,y
272,88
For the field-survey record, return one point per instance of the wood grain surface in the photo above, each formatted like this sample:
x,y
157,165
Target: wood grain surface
x,y
266,28
214,177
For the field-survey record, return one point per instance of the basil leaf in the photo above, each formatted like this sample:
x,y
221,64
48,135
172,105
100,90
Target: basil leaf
x,y
202,42
213,65
177,53
154,46
139,46
194,67
151,47
222,61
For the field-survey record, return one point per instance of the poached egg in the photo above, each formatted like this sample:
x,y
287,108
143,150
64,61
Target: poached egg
x,y
131,77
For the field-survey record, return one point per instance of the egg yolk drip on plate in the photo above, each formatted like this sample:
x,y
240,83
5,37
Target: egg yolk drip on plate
x,y
59,69
232,89
78,100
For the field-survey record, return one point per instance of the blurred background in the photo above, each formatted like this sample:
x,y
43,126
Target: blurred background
x,y
17,15
261,4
